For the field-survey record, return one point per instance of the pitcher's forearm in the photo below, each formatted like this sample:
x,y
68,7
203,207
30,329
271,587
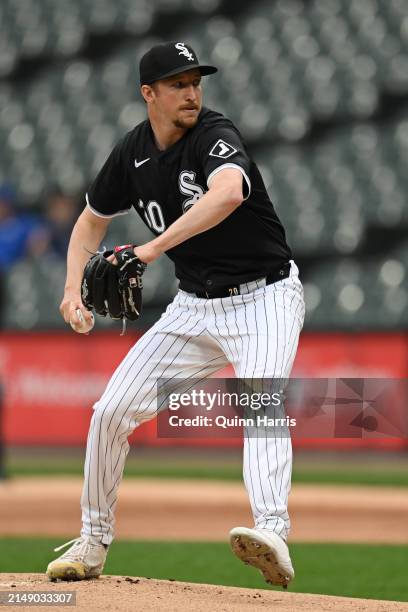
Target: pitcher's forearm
x,y
208,212
85,239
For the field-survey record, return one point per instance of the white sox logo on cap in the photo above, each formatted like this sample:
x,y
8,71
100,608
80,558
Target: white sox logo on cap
x,y
222,149
167,59
184,51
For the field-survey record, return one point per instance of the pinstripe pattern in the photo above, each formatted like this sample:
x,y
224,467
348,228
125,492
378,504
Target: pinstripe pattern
x,y
265,323
257,332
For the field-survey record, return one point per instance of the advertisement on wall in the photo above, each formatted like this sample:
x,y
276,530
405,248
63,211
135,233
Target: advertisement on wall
x,y
50,382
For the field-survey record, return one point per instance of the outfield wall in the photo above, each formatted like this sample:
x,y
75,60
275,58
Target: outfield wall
x,y
51,381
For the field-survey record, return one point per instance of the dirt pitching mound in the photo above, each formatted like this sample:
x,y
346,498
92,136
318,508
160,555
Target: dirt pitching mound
x,y
125,593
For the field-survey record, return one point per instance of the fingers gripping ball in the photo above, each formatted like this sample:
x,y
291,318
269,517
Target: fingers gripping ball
x,y
82,327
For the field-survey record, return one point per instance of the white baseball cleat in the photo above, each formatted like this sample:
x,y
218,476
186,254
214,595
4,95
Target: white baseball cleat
x,y
265,550
85,559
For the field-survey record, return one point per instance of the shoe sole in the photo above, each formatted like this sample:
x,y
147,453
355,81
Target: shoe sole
x,y
261,556
69,572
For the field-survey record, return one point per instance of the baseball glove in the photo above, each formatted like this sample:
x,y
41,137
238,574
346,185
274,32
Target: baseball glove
x,y
114,290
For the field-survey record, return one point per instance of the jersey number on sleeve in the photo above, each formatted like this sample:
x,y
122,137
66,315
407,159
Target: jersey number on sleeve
x,y
153,215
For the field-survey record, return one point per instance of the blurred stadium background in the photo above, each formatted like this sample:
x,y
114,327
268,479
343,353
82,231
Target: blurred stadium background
x,y
319,89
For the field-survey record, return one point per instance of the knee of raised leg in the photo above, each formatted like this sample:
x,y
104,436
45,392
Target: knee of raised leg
x,y
109,414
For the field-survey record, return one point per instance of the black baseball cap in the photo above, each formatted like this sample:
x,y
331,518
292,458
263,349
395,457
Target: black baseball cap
x,y
167,59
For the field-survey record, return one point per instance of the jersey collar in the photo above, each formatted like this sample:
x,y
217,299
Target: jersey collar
x,y
155,152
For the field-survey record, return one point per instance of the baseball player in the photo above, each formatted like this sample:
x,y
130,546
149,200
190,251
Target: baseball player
x,y
187,173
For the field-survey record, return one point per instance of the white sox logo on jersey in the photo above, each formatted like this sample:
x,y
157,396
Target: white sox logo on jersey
x,y
222,149
184,51
190,188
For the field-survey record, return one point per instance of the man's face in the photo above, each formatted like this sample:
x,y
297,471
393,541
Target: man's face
x,y
178,98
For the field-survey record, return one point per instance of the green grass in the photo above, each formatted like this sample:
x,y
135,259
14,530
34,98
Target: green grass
x,y
344,468
328,475
353,570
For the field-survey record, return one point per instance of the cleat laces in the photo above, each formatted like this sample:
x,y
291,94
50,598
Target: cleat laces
x,y
77,551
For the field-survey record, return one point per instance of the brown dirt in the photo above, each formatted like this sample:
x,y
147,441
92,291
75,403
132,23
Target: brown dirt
x,y
110,593
192,510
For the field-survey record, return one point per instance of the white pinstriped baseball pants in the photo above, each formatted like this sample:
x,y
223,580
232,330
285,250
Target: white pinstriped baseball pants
x,y
257,332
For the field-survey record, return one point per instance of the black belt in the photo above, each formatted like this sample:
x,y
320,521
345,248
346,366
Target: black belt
x,y
230,290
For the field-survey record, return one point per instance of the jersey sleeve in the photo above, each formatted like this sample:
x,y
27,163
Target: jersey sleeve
x,y
221,147
107,196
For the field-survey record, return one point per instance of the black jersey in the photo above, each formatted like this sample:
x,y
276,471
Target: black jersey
x,y
162,185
